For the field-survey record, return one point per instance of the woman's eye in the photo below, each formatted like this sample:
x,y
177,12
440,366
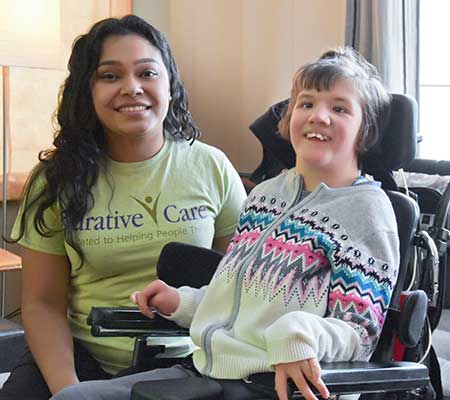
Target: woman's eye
x,y
306,105
109,76
149,73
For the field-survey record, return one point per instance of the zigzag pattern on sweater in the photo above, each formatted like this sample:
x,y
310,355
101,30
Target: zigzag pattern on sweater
x,y
253,220
306,257
290,267
356,278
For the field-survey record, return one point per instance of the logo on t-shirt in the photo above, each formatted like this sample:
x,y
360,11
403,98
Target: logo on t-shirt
x,y
146,204
171,213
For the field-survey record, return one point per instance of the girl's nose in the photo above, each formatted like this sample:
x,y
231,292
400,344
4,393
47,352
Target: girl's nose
x,y
320,116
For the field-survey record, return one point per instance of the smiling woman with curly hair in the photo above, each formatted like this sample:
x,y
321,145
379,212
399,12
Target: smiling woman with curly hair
x,y
126,176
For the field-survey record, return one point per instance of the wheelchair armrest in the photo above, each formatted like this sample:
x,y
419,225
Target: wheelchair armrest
x,y
128,321
412,318
362,377
340,378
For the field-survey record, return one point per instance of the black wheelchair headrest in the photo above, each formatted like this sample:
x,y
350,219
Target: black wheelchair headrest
x,y
398,134
396,148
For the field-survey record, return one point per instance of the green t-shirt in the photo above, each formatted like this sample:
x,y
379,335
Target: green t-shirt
x,y
187,193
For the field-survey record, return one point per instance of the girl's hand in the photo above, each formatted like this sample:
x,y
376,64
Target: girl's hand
x,y
301,372
164,298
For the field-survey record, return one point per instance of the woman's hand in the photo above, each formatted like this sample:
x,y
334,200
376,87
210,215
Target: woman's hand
x,y
164,298
301,372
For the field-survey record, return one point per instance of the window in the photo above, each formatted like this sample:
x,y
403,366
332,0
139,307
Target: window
x,y
434,79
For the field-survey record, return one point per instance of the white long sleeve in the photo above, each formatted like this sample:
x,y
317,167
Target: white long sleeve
x,y
190,298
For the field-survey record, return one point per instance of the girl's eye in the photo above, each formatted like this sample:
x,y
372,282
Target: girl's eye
x,y
339,109
306,105
149,73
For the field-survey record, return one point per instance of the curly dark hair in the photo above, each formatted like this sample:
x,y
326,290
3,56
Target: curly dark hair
x,y
72,168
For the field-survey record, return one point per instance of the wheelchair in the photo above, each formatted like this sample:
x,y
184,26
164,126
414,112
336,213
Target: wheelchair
x,y
397,366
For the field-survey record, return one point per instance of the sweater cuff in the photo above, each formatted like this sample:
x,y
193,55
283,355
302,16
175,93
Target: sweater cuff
x,y
287,350
185,312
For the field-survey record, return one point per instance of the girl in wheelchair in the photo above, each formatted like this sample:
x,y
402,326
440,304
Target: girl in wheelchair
x,y
310,271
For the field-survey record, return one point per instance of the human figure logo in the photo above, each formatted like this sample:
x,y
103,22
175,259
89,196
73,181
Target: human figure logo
x,y
152,211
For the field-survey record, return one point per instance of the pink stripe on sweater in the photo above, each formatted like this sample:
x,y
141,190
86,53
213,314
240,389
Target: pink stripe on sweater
x,y
295,250
247,237
361,304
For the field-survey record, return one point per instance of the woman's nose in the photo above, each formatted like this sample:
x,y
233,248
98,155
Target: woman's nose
x,y
131,88
132,91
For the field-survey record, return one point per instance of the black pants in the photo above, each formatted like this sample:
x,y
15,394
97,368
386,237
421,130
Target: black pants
x,y
27,383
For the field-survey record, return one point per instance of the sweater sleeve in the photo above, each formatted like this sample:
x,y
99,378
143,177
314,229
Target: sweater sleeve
x,y
361,285
190,298
299,335
362,281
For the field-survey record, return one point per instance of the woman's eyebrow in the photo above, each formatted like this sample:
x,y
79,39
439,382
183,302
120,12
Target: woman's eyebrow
x,y
140,61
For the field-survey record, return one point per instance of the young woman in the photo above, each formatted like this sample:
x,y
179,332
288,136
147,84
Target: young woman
x,y
126,176
313,262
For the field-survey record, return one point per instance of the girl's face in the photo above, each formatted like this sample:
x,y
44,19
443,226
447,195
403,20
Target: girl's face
x,y
324,129
131,92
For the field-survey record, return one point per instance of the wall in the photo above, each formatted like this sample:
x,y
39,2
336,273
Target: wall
x,y
156,11
237,57
33,99
33,91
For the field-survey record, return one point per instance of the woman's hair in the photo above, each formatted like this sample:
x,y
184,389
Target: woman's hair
x,y
336,64
72,168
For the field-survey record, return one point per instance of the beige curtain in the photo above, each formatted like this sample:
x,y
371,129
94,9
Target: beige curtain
x,y
386,32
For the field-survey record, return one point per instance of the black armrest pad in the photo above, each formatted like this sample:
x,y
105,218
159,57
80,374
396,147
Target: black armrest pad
x,y
363,377
412,318
110,321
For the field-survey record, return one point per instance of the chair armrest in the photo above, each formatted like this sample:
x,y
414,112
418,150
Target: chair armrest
x,y
362,377
128,321
340,378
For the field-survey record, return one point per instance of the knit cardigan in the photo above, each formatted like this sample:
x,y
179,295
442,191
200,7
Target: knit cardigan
x,y
302,278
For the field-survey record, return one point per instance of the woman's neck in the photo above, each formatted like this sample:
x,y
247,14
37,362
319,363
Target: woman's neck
x,y
135,151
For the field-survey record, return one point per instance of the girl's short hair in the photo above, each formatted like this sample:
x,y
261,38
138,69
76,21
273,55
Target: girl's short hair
x,y
343,63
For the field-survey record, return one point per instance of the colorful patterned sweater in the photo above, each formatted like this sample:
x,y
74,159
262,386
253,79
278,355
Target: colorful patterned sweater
x,y
302,278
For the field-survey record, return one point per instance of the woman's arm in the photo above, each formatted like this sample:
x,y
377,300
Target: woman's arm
x,y
221,243
45,296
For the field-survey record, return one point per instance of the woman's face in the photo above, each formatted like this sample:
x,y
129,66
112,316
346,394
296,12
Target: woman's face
x,y
131,92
